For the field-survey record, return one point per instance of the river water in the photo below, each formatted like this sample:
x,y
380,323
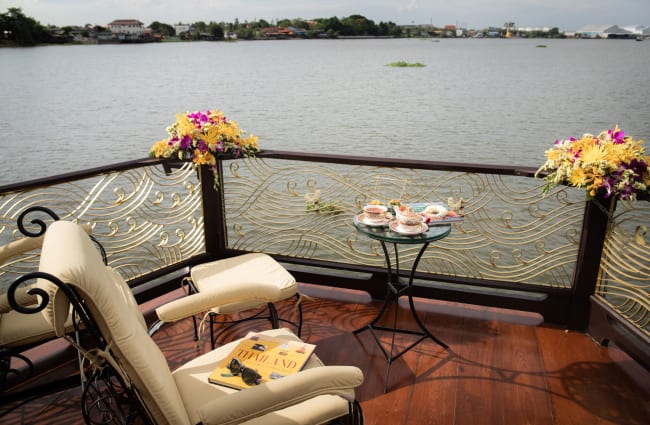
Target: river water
x,y
67,108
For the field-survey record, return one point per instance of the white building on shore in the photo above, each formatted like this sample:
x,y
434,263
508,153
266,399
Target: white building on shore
x,y
612,31
128,27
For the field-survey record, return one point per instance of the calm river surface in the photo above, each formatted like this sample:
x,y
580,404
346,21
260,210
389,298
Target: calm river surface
x,y
66,108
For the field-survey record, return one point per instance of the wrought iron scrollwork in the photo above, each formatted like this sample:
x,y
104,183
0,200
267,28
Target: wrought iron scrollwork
x,y
38,297
5,366
42,296
106,400
7,353
42,226
37,221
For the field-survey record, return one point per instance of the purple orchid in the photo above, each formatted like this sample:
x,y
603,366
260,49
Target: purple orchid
x,y
202,146
186,142
608,186
639,166
617,136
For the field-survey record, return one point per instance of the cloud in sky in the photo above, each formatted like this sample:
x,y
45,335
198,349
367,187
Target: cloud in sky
x,y
565,14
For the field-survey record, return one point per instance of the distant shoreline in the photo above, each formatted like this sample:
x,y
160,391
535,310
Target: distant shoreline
x,y
351,37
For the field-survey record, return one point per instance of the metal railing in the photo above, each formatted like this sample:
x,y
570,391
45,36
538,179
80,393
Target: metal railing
x,y
515,249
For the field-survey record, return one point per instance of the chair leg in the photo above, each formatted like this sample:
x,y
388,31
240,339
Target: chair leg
x,y
5,366
298,323
196,328
212,341
356,413
299,315
192,289
273,316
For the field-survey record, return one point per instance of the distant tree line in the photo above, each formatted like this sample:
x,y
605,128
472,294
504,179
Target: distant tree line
x,y
552,33
17,28
355,25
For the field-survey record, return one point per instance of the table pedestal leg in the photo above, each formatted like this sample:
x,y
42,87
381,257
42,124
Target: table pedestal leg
x,y
395,289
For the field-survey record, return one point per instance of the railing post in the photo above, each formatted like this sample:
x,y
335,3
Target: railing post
x,y
594,231
213,210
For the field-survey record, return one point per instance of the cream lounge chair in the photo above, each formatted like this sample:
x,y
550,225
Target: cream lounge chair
x,y
259,281
131,376
18,332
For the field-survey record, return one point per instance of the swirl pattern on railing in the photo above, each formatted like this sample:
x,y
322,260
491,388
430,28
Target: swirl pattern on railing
x,y
624,282
510,233
145,218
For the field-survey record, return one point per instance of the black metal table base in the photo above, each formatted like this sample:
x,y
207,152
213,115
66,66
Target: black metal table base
x,y
395,290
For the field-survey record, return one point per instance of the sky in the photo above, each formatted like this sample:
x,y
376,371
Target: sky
x,y
567,15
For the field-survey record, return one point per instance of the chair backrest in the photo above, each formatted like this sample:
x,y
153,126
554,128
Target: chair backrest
x,y
16,329
69,254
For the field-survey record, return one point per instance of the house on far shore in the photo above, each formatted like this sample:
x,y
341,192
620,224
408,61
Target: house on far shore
x,y
183,31
125,30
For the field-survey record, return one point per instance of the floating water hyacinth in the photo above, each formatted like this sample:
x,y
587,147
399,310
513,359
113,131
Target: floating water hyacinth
x,y
610,164
204,136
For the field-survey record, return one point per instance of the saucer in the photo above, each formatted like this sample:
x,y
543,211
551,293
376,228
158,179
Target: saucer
x,y
371,223
394,226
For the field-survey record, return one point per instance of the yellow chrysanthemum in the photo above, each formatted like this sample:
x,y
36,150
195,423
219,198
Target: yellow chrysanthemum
x,y
216,115
160,149
620,153
554,154
251,142
184,125
583,143
211,135
229,131
596,183
593,154
204,158
578,177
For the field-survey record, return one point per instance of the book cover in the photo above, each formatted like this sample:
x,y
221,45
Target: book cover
x,y
271,357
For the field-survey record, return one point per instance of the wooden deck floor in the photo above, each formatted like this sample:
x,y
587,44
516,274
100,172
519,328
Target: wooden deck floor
x,y
502,367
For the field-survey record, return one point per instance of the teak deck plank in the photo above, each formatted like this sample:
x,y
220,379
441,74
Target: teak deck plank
x,y
502,367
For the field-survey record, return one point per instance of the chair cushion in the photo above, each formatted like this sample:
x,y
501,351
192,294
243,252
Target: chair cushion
x,y
261,273
18,329
197,392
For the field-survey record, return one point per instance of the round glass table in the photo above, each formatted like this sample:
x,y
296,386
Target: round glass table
x,y
397,287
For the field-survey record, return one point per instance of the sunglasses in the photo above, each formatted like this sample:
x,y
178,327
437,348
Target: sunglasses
x,y
248,375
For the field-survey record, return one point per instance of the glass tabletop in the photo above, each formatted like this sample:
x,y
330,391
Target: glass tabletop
x,y
383,232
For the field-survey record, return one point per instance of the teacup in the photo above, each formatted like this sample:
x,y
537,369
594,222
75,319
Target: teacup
x,y
409,222
375,212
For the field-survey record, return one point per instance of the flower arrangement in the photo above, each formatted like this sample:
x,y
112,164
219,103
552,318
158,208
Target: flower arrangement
x,y
204,136
314,203
610,164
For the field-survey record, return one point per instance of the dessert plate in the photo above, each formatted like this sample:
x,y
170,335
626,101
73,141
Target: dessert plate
x,y
361,218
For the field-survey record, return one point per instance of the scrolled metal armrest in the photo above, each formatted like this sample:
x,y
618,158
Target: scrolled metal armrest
x,y
38,292
40,223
